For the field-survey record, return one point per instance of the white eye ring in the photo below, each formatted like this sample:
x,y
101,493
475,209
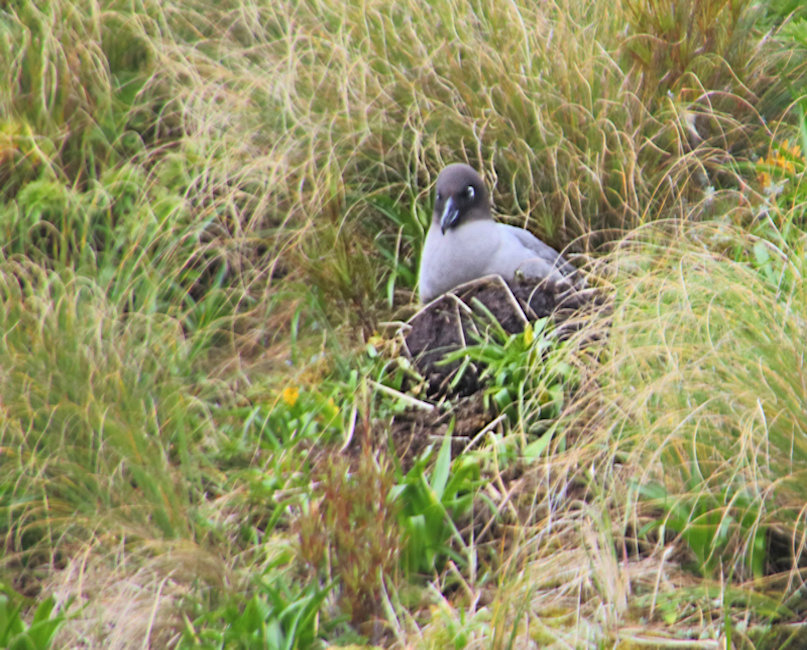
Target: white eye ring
x,y
469,191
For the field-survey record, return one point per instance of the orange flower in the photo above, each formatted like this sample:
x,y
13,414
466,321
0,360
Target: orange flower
x,y
290,395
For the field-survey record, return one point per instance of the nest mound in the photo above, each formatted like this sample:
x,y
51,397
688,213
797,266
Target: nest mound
x,y
463,316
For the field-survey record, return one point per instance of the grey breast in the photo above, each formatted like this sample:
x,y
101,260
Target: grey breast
x,y
465,243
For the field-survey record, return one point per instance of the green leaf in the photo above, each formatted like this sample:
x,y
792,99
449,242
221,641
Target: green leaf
x,y
533,450
761,253
443,465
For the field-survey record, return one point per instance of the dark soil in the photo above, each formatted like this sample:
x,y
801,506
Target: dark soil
x,y
474,310
409,433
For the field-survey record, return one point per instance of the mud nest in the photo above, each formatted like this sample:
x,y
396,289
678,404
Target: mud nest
x,y
466,315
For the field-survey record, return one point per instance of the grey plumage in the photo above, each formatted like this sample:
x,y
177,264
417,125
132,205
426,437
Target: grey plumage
x,y
465,243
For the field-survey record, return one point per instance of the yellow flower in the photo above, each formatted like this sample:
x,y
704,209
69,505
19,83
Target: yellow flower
x,y
334,408
529,335
290,395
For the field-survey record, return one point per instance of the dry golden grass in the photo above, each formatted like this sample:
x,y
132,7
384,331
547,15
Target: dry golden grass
x,y
700,393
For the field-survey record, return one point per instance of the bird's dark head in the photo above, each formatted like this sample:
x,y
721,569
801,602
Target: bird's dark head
x,y
460,196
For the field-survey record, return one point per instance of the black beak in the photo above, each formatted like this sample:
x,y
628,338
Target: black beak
x,y
449,216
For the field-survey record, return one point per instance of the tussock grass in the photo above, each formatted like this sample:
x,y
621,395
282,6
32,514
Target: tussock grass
x,y
99,476
715,362
76,64
677,498
554,102
91,407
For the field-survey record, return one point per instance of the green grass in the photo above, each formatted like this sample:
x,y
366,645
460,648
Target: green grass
x,y
210,220
696,430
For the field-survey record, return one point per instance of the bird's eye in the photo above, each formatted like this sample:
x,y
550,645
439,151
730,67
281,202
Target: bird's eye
x,y
469,191
439,196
